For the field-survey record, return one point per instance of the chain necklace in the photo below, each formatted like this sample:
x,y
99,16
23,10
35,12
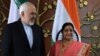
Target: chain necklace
x,y
63,47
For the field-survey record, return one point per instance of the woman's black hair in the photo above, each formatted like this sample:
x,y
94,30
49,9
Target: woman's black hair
x,y
63,27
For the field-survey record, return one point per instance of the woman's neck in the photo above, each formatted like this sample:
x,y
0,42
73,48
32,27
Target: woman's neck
x,y
66,41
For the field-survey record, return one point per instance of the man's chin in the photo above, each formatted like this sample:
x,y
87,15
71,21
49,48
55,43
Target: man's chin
x,y
31,23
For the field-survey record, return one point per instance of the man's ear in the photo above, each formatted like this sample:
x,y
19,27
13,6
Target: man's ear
x,y
22,13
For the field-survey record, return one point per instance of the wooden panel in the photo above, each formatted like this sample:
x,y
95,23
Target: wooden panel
x,y
89,14
90,18
4,10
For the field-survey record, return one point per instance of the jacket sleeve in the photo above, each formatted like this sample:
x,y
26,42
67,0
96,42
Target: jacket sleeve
x,y
43,53
7,42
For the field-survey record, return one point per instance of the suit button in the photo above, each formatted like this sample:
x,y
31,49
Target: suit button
x,y
31,52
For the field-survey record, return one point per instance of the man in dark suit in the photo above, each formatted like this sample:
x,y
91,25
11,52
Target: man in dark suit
x,y
23,37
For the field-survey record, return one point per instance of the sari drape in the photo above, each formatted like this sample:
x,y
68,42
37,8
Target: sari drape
x,y
74,49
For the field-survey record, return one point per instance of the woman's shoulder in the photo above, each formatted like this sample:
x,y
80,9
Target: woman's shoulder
x,y
85,48
86,45
82,43
57,43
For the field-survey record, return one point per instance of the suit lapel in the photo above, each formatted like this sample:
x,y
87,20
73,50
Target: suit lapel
x,y
24,34
34,30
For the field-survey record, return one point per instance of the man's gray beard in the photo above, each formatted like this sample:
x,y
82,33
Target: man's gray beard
x,y
31,23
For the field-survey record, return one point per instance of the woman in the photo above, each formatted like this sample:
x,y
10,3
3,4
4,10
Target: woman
x,y
67,46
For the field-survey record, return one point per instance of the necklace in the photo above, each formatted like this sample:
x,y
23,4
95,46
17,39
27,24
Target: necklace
x,y
64,46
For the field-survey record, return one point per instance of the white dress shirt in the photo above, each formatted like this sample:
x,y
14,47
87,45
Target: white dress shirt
x,y
29,34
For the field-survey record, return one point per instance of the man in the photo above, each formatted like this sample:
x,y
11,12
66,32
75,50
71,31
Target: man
x,y
23,37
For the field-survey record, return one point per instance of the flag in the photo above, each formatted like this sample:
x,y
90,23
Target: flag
x,y
66,11
13,12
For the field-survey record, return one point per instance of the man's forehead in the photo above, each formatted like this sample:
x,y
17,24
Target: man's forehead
x,y
31,8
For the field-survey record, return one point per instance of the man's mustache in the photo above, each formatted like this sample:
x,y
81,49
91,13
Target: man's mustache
x,y
32,18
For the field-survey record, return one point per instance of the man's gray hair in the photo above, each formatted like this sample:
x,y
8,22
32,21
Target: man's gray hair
x,y
24,7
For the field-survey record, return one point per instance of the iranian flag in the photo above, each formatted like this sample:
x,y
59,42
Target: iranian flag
x,y
14,12
66,11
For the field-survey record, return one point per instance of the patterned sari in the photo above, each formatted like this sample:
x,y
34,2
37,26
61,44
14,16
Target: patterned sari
x,y
74,49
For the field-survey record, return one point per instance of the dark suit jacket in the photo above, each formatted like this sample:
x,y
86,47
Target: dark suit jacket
x,y
15,41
